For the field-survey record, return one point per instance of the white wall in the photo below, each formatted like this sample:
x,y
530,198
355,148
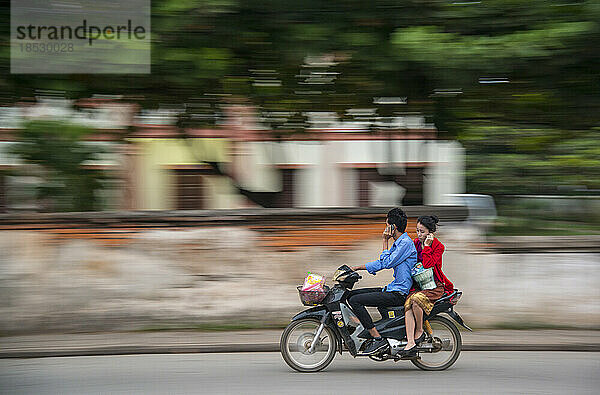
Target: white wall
x,y
324,177
160,277
446,174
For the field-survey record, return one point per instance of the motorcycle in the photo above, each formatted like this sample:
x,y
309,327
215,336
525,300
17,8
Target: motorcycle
x,y
310,342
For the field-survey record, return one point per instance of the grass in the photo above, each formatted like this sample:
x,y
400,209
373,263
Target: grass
x,y
517,226
214,327
530,326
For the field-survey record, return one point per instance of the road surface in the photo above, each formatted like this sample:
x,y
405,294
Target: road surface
x,y
266,373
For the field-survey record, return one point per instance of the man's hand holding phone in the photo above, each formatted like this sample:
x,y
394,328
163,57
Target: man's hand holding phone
x,y
388,232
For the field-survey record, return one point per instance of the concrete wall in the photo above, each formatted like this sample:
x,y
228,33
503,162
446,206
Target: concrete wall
x,y
326,167
145,275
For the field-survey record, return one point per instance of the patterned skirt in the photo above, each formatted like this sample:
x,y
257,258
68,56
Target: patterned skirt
x,y
425,298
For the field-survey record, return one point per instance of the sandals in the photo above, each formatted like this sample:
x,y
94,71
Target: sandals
x,y
409,354
412,352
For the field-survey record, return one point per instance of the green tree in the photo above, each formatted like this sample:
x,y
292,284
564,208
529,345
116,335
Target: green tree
x,y
57,153
544,51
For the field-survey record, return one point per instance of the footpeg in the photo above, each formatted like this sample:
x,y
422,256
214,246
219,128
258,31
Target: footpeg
x,y
408,358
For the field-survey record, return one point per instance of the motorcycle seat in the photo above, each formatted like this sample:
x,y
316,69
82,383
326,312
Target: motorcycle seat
x,y
446,298
398,311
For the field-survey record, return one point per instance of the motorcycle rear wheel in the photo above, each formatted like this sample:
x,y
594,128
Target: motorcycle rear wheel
x,y
447,337
296,341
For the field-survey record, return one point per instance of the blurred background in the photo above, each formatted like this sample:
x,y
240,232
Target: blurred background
x,y
272,137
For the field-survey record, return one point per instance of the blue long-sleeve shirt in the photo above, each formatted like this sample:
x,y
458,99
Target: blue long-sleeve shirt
x,y
402,257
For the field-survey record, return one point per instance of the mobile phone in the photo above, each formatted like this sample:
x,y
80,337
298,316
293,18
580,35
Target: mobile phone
x,y
392,228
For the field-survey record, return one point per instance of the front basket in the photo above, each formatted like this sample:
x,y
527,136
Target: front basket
x,y
312,297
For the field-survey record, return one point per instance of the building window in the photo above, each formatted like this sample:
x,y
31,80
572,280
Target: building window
x,y
285,198
2,193
190,189
366,176
281,199
412,182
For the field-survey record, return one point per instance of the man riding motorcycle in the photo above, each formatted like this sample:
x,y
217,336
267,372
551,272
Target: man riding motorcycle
x,y
402,257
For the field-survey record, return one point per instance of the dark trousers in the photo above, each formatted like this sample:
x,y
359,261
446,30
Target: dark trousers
x,y
372,297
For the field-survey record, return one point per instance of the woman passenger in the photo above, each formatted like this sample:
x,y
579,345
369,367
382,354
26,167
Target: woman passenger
x,y
429,252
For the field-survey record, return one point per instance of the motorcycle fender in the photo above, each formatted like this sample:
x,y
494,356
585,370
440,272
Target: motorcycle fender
x,y
317,313
454,315
314,312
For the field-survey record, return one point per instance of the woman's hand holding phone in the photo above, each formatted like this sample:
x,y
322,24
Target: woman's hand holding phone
x,y
428,240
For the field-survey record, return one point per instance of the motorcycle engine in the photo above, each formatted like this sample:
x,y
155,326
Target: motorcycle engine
x,y
396,346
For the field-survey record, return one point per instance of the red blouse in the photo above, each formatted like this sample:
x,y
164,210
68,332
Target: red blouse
x,y
432,258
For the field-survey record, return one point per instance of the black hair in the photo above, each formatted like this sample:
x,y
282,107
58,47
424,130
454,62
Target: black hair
x,y
397,217
428,221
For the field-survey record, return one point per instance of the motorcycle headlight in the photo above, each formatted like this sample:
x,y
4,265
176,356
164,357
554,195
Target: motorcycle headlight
x,y
337,274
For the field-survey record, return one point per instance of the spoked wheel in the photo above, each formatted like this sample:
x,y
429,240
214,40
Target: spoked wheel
x,y
440,351
297,340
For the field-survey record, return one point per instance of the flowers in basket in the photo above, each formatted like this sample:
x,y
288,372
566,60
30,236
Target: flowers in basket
x,y
313,290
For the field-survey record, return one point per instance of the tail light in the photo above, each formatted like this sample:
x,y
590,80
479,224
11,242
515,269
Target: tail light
x,y
455,298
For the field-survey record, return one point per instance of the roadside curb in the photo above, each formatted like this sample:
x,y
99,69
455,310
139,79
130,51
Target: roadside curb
x,y
260,347
532,347
132,350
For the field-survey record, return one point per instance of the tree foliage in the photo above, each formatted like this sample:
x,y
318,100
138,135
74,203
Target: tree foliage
x,y
526,72
60,158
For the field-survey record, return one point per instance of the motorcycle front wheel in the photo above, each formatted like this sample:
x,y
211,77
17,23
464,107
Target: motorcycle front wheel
x,y
441,350
297,340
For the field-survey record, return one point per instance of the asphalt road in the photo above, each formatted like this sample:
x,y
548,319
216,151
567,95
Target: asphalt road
x,y
266,373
